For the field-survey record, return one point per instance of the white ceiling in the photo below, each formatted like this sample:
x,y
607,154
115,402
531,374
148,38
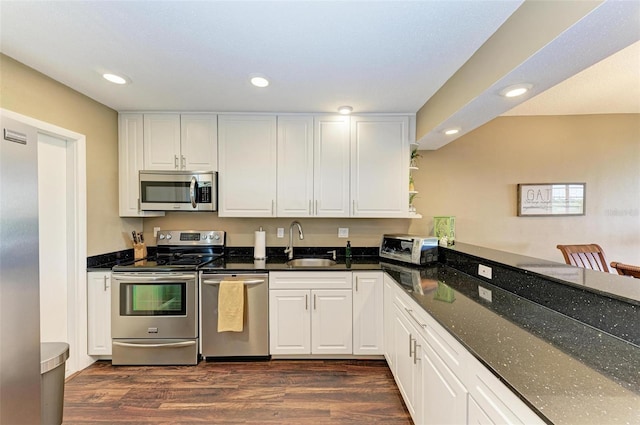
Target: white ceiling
x,y
377,56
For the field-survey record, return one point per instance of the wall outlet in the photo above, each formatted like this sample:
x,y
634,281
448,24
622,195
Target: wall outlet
x,y
280,232
484,271
155,232
343,232
484,293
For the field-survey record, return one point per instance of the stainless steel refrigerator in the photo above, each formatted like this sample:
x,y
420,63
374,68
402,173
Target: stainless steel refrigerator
x,y
19,275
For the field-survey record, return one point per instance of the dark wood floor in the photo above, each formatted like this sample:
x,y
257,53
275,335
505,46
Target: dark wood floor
x,y
268,392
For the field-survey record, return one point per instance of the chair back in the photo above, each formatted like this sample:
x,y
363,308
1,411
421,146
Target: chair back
x,y
587,256
626,269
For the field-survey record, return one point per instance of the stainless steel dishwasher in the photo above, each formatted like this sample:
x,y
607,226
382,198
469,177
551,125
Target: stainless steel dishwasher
x,y
253,341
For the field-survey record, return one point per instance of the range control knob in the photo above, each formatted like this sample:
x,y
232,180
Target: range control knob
x,y
216,236
161,236
168,236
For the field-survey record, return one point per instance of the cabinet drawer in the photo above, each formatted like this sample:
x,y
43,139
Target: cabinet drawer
x,y
310,280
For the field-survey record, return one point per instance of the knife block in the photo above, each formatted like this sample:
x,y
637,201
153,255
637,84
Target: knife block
x,y
139,251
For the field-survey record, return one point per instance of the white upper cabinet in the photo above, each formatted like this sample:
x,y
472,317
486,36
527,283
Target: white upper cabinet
x,y
331,166
130,162
247,165
295,166
380,166
180,142
199,142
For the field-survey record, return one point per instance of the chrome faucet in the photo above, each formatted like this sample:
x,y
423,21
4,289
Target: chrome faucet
x,y
289,249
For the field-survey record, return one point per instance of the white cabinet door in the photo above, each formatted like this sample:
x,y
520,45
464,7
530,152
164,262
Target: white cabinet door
x,y
331,166
477,416
247,165
389,321
444,397
406,377
295,166
199,142
99,313
130,162
162,142
380,166
289,322
494,402
331,318
368,308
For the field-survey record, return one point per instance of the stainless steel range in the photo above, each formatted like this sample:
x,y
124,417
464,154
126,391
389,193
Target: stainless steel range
x,y
154,313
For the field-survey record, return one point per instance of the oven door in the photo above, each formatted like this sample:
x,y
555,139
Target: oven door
x,y
154,305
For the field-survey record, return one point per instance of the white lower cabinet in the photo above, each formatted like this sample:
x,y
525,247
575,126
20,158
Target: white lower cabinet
x,y
408,368
368,310
440,381
444,398
389,320
99,313
310,313
491,402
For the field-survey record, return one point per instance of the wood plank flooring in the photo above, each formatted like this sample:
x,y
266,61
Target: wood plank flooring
x,y
265,392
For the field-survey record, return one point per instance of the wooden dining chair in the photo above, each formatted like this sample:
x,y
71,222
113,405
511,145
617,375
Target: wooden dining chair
x,y
626,269
587,256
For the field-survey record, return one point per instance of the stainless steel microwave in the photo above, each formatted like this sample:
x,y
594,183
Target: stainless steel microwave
x,y
178,190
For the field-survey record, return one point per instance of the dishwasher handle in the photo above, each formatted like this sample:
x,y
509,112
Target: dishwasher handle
x,y
216,282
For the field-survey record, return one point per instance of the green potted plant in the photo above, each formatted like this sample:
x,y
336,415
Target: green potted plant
x,y
414,156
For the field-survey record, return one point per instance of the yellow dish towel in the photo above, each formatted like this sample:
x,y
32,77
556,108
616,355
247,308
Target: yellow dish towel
x,y
231,306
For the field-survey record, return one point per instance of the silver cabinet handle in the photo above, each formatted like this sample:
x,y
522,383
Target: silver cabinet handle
x,y
357,278
167,345
192,191
106,285
306,302
415,352
175,161
410,342
353,207
310,207
273,207
422,325
184,162
246,282
316,207
315,304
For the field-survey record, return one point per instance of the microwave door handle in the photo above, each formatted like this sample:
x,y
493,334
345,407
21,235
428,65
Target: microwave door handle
x,y
192,191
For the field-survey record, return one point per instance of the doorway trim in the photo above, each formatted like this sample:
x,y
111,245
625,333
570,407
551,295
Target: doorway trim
x,y
76,236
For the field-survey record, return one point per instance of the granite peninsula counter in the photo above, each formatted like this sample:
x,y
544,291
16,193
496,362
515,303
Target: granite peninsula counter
x,y
565,340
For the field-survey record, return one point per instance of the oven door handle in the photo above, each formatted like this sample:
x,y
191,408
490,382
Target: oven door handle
x,y
246,282
168,278
192,191
166,345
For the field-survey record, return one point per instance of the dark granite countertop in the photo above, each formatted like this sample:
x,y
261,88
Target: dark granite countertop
x,y
564,339
272,264
569,372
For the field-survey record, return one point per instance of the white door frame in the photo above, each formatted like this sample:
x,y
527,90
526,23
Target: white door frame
x,y
76,237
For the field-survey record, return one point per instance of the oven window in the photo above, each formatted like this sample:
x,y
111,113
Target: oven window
x,y
165,192
153,299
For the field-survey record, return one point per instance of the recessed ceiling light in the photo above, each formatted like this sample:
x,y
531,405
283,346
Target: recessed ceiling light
x,y
515,90
345,110
116,79
451,131
259,81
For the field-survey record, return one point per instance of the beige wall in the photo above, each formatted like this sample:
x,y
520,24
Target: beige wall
x,y
475,178
28,92
318,232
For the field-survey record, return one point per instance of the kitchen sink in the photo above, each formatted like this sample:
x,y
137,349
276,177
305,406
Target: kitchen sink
x,y
311,262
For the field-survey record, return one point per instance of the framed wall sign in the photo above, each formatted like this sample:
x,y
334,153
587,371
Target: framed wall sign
x,y
548,199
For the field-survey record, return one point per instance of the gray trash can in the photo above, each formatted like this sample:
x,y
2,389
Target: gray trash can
x,y
53,356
